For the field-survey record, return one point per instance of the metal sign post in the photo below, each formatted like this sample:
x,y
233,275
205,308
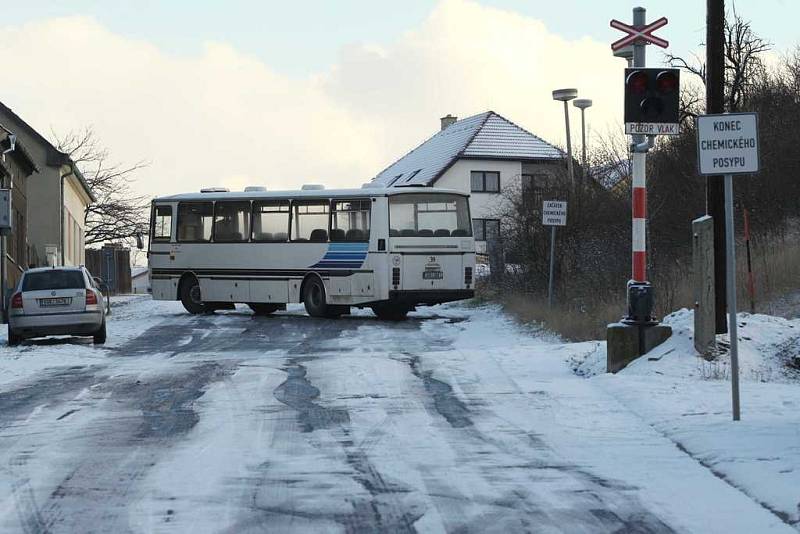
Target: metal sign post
x,y
554,214
728,144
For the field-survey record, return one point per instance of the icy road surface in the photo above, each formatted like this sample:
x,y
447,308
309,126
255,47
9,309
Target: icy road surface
x,y
453,421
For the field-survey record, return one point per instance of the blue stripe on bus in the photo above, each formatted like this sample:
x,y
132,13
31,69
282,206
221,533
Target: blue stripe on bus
x,y
326,265
343,255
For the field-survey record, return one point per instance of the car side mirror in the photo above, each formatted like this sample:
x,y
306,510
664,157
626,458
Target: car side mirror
x,y
97,280
139,241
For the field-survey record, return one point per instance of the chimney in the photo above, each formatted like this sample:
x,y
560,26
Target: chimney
x,y
448,120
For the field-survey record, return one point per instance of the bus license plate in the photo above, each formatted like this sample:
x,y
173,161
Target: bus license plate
x,y
59,301
432,275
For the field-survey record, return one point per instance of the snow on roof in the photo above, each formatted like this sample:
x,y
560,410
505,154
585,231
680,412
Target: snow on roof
x,y
487,135
138,271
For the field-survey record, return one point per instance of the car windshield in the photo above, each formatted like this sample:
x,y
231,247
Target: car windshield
x,y
54,279
429,215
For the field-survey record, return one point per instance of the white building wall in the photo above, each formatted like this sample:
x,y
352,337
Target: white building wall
x,y
75,202
482,205
489,205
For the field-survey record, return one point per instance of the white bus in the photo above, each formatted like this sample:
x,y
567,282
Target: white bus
x,y
387,249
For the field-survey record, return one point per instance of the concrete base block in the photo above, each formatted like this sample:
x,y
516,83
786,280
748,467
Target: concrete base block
x,y
622,346
653,336
625,343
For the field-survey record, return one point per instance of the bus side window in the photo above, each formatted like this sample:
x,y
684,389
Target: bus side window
x,y
310,221
271,220
232,221
350,221
162,223
194,221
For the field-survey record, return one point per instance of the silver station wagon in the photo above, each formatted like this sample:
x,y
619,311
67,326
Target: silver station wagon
x,y
56,301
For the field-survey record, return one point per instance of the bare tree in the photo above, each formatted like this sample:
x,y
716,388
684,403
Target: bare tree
x,y
119,214
743,50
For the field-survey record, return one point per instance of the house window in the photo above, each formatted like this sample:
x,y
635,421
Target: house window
x,y
532,187
271,220
412,175
485,181
393,180
310,221
350,221
194,221
485,229
162,223
232,221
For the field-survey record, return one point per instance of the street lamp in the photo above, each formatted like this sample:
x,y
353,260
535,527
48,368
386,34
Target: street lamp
x,y
565,95
582,104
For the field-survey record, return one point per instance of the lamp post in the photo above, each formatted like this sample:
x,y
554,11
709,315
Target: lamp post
x,y
582,104
565,95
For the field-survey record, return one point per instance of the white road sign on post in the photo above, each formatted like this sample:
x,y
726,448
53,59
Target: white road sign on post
x,y
727,143
554,213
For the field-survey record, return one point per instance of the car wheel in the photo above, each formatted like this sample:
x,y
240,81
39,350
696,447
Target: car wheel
x,y
191,298
263,308
390,312
13,339
100,336
314,300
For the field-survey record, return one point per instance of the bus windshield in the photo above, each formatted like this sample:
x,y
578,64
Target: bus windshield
x,y
429,215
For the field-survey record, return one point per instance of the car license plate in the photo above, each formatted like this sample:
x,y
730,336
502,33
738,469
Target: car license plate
x,y
432,275
58,301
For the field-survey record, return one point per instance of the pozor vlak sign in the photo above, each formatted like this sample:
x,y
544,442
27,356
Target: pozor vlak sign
x,y
728,143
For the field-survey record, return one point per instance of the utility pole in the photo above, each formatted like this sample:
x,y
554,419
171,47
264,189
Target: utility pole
x,y
715,185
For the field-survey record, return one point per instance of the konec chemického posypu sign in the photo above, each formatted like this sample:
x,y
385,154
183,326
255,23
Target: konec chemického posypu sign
x,y
727,143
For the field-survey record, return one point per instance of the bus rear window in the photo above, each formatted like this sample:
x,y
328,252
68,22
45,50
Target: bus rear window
x,y
429,215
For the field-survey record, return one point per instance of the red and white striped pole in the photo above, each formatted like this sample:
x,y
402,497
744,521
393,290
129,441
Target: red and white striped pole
x,y
639,235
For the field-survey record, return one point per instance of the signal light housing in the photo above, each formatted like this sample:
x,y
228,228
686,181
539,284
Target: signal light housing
x,y
667,82
91,298
637,82
16,301
652,98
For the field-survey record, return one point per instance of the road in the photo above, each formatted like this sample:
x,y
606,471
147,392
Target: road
x,y
455,420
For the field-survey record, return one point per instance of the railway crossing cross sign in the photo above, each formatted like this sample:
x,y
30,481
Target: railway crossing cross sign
x,y
636,35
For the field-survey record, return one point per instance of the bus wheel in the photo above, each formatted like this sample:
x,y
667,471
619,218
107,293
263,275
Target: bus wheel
x,y
390,312
262,308
190,296
314,300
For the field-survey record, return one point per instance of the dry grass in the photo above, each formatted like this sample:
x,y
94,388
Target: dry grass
x,y
776,266
776,270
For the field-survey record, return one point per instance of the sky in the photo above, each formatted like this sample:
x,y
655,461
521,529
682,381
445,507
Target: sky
x,y
247,92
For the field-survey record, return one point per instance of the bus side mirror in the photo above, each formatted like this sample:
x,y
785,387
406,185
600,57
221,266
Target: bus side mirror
x,y
139,241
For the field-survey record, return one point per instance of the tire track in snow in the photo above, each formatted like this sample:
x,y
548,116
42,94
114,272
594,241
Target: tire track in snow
x,y
591,502
117,453
383,511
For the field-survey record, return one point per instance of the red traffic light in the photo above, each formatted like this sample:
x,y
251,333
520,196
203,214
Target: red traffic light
x,y
637,82
666,82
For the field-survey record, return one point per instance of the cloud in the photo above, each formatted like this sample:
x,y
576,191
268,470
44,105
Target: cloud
x,y
224,117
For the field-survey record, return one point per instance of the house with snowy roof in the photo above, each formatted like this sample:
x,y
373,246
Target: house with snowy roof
x,y
483,155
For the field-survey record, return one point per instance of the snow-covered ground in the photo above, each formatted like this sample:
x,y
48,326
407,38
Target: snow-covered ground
x,y
456,420
688,400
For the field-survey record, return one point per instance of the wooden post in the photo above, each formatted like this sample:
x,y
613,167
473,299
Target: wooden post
x,y
715,185
703,275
